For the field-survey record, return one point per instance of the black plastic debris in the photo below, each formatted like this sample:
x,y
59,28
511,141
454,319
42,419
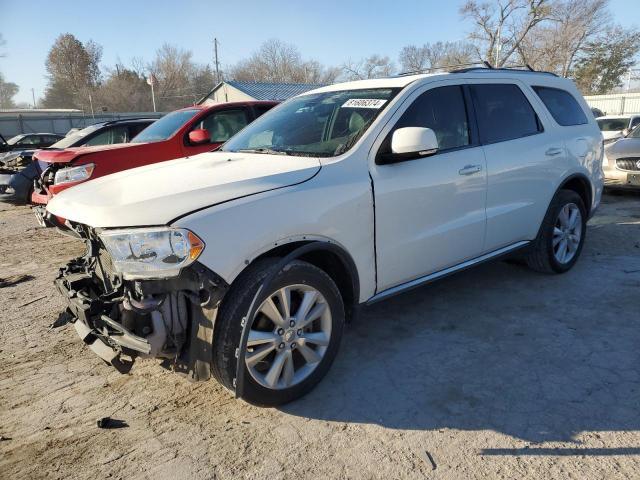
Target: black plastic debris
x,y
108,423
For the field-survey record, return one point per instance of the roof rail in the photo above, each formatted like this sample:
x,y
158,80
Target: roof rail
x,y
477,66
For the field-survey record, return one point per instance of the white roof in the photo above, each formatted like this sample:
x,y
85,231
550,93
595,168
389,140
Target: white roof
x,y
401,81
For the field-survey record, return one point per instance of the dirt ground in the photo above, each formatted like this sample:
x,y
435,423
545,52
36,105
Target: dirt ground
x,y
496,372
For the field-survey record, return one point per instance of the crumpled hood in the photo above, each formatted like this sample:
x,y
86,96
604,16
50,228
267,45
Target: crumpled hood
x,y
625,147
158,193
66,155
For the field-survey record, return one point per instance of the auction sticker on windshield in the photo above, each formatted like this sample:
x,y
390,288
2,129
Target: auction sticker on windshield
x,y
364,103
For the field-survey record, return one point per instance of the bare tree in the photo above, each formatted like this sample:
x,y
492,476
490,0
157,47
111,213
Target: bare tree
x,y
374,66
123,90
277,61
555,45
434,55
500,28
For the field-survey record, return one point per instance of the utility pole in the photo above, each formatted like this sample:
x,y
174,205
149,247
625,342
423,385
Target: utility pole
x,y
33,95
215,53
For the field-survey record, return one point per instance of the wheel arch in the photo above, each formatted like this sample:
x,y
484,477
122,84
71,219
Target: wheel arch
x,y
580,184
328,256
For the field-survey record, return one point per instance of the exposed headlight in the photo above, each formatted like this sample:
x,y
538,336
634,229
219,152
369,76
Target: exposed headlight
x,y
73,174
151,252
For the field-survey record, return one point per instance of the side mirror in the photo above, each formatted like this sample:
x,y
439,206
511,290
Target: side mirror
x,y
625,132
409,143
414,141
199,136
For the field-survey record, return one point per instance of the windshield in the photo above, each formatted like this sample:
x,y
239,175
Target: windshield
x,y
74,138
613,124
14,140
165,127
316,125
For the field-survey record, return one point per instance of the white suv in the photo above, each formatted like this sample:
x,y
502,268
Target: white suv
x,y
246,262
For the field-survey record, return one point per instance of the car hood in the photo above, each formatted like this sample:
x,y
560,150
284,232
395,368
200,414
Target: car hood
x,y
157,194
625,147
607,135
66,155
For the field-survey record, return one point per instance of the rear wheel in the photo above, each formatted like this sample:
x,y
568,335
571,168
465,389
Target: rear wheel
x,y
561,236
293,336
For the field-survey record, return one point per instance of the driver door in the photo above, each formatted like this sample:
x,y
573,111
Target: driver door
x,y
430,211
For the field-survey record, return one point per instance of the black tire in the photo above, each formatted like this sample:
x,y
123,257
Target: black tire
x,y
236,305
541,257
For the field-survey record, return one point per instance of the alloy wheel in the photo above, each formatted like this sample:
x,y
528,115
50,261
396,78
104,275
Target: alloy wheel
x,y
288,336
567,233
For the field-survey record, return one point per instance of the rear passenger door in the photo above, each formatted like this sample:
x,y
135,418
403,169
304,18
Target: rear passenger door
x,y
524,160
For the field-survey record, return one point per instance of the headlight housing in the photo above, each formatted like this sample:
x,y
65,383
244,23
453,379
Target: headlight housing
x,y
73,174
159,252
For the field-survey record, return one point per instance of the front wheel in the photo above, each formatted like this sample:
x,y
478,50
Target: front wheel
x,y
561,236
293,336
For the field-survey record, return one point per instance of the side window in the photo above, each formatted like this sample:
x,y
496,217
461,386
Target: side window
x,y
109,136
30,140
563,107
503,113
136,128
223,125
262,109
634,123
443,110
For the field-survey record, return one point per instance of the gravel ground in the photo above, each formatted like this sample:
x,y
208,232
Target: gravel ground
x,y
496,372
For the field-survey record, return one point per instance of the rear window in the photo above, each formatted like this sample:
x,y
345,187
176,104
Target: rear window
x,y
613,124
503,113
563,106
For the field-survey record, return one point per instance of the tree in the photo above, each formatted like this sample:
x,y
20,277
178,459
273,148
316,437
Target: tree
x,y
606,60
7,91
555,45
375,66
500,28
3,42
124,90
435,55
74,72
277,61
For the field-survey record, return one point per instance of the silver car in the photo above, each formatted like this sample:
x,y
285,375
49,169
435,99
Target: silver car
x,y
621,162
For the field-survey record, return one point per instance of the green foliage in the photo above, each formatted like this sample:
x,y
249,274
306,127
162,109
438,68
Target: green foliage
x,y
606,60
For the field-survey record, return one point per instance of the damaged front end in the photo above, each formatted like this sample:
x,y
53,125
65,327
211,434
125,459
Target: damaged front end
x,y
122,319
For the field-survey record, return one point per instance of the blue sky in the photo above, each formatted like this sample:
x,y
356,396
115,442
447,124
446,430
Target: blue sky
x,y
329,31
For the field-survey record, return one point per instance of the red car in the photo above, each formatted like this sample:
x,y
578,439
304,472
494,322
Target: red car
x,y
181,133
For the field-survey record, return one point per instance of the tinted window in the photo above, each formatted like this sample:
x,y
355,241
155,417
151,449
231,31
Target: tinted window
x,y
165,127
109,136
563,107
503,113
223,125
136,128
635,122
443,111
75,138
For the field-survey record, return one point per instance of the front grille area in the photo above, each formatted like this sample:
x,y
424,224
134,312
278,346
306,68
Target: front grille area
x,y
630,163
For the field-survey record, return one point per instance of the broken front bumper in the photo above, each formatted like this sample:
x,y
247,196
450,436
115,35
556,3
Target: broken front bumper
x,y
120,321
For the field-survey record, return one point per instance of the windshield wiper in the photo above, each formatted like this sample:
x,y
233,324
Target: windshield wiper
x,y
267,151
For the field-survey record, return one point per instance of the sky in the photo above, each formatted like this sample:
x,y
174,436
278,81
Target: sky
x,y
328,31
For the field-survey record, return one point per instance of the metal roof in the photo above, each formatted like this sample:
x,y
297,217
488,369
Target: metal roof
x,y
273,91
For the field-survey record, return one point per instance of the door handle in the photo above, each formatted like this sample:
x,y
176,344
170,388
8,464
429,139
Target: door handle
x,y
552,152
470,169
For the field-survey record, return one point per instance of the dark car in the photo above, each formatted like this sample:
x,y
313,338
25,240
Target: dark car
x,y
28,141
18,171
